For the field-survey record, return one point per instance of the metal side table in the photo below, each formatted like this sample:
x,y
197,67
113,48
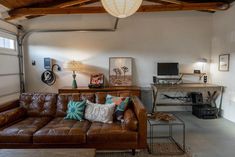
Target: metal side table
x,y
170,124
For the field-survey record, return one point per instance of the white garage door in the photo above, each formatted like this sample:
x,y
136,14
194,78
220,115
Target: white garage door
x,y
9,68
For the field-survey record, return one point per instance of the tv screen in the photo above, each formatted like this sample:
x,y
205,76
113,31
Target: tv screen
x,y
168,69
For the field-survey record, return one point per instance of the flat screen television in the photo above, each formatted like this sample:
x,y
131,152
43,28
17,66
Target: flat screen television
x,y
168,69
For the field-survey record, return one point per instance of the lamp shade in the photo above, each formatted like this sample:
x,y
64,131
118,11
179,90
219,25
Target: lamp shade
x,y
121,8
72,65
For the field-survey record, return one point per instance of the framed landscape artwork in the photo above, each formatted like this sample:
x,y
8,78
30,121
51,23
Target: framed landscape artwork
x,y
224,62
120,71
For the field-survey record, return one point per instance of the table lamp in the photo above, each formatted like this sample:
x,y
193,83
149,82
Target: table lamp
x,y
73,66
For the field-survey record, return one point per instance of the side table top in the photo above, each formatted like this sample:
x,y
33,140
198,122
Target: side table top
x,y
175,121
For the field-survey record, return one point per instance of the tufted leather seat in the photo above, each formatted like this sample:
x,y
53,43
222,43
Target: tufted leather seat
x,y
22,132
62,131
38,104
113,133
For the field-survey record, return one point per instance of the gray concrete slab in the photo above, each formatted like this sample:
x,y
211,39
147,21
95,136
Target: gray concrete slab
x,y
206,138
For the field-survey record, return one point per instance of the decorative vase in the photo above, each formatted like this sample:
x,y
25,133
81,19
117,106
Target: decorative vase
x,y
74,83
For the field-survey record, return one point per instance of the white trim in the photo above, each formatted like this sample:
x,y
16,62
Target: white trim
x,y
8,51
12,37
7,35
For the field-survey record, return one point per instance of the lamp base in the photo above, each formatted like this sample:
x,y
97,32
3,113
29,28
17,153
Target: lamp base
x,y
74,84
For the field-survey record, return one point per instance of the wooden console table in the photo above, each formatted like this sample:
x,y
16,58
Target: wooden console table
x,y
185,87
134,90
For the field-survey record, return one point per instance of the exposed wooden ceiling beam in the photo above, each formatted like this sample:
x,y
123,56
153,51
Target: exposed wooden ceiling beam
x,y
6,3
13,4
59,3
173,1
70,3
185,7
179,2
86,3
17,13
158,2
62,4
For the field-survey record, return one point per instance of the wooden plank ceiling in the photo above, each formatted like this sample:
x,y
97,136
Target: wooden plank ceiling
x,y
35,8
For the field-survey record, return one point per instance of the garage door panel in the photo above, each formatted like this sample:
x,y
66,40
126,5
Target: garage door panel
x,y
9,64
9,68
9,84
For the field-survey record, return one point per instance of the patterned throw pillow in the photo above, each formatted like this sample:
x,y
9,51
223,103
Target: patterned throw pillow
x,y
75,110
121,105
99,112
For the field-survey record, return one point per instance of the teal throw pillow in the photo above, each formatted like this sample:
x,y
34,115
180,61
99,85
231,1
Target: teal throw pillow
x,y
76,110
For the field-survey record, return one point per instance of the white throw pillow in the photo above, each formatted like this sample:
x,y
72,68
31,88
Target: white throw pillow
x,y
99,112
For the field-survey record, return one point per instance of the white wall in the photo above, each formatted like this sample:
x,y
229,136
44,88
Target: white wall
x,y
223,41
169,36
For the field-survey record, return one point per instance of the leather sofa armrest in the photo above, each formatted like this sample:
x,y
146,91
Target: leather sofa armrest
x,y
9,105
130,120
141,115
11,116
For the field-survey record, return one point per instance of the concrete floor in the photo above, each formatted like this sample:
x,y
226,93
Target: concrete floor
x,y
207,138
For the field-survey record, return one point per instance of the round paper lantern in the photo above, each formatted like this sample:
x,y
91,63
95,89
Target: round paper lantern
x,y
121,8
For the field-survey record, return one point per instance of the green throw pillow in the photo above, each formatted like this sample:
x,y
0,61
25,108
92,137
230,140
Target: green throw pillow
x,y
76,110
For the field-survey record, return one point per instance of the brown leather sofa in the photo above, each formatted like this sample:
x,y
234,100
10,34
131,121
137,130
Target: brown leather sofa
x,y
36,120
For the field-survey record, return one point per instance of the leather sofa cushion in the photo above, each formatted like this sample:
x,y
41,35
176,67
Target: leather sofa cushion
x,y
62,103
62,131
63,100
88,96
100,97
22,132
38,104
12,115
113,133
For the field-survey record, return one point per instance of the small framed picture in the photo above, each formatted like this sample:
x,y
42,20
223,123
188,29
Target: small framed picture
x,y
224,62
120,71
96,81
